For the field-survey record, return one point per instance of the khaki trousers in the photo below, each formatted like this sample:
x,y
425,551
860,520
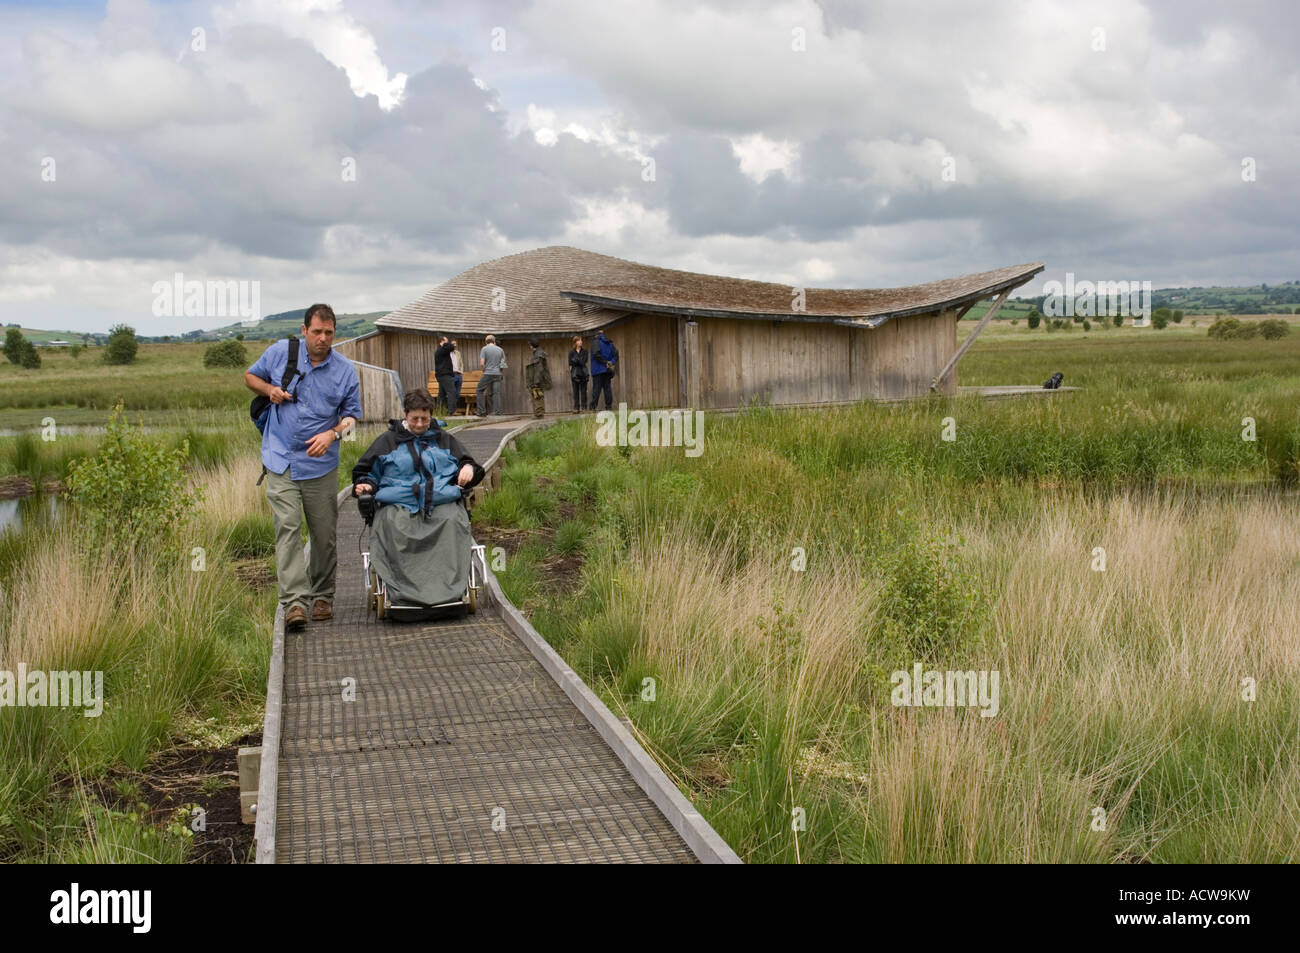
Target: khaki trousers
x,y
302,581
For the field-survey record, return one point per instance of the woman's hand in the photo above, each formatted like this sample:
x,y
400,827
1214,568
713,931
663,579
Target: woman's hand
x,y
362,488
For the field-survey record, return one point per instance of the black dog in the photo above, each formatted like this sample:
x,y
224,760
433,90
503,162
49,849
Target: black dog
x,y
1053,382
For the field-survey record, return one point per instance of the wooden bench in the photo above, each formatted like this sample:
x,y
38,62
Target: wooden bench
x,y
468,386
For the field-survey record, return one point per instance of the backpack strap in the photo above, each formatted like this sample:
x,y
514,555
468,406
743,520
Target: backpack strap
x,y
291,365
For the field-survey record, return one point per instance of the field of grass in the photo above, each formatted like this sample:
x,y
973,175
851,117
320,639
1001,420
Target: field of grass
x,y
771,586
167,381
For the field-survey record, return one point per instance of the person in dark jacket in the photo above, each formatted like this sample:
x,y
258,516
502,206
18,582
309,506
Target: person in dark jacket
x,y
445,375
604,357
419,475
537,375
579,375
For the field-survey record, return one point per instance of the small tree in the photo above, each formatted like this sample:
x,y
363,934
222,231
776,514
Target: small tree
x,y
229,353
1087,325
28,357
1034,319
13,346
1178,317
1160,318
75,349
121,346
1273,328
1118,320
132,492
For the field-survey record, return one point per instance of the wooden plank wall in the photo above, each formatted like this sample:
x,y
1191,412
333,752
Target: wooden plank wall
x,y
797,363
789,362
379,397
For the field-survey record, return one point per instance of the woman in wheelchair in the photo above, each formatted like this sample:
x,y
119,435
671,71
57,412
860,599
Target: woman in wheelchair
x,y
419,475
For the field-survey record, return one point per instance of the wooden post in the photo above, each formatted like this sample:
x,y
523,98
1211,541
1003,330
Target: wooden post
x,y
250,770
952,362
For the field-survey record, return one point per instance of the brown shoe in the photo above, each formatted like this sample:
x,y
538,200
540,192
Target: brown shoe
x,y
321,610
295,619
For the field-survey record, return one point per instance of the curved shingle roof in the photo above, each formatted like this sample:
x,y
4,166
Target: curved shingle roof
x,y
560,289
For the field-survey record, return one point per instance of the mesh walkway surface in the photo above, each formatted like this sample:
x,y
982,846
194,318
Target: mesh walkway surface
x,y
458,747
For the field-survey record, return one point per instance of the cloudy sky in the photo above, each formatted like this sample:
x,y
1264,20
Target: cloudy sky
x,y
362,152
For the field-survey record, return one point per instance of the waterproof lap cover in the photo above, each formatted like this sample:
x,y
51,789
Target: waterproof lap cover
x,y
421,561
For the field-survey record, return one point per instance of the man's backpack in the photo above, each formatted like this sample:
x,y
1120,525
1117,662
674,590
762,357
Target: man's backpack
x,y
259,410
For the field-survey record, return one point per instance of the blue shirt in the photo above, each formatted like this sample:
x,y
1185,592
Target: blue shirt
x,y
323,395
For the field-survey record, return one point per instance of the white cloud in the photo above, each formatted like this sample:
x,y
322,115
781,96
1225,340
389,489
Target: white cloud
x,y
332,32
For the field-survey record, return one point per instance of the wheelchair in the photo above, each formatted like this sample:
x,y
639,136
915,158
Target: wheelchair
x,y
379,598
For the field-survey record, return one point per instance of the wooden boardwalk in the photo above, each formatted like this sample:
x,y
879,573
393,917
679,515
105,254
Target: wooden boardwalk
x,y
451,741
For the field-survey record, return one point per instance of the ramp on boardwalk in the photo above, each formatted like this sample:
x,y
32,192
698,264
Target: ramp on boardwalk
x,y
460,745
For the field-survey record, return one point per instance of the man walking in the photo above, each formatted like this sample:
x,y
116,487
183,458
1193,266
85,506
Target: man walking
x,y
300,453
443,372
491,360
604,357
537,375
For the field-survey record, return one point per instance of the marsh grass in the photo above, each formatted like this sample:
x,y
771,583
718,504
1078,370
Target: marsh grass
x,y
1121,689
174,644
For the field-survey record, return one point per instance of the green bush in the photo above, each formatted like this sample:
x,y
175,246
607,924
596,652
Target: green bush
x,y
228,353
28,357
1160,319
929,605
13,346
1273,328
121,346
1231,329
1034,319
1118,320
132,492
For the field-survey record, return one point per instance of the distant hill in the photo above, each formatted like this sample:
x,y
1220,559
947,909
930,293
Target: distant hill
x,y
282,325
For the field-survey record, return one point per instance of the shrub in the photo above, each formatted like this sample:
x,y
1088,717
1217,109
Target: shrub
x,y
1178,317
1087,325
1273,328
132,492
1118,320
930,605
229,353
28,356
1034,319
1160,318
1231,329
13,346
121,346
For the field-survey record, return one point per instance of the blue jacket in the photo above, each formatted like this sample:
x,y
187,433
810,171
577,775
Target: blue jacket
x,y
602,354
390,466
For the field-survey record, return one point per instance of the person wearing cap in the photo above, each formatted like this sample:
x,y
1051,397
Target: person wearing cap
x,y
537,375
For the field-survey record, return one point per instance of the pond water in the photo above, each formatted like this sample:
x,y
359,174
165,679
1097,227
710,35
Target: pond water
x,y
15,514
